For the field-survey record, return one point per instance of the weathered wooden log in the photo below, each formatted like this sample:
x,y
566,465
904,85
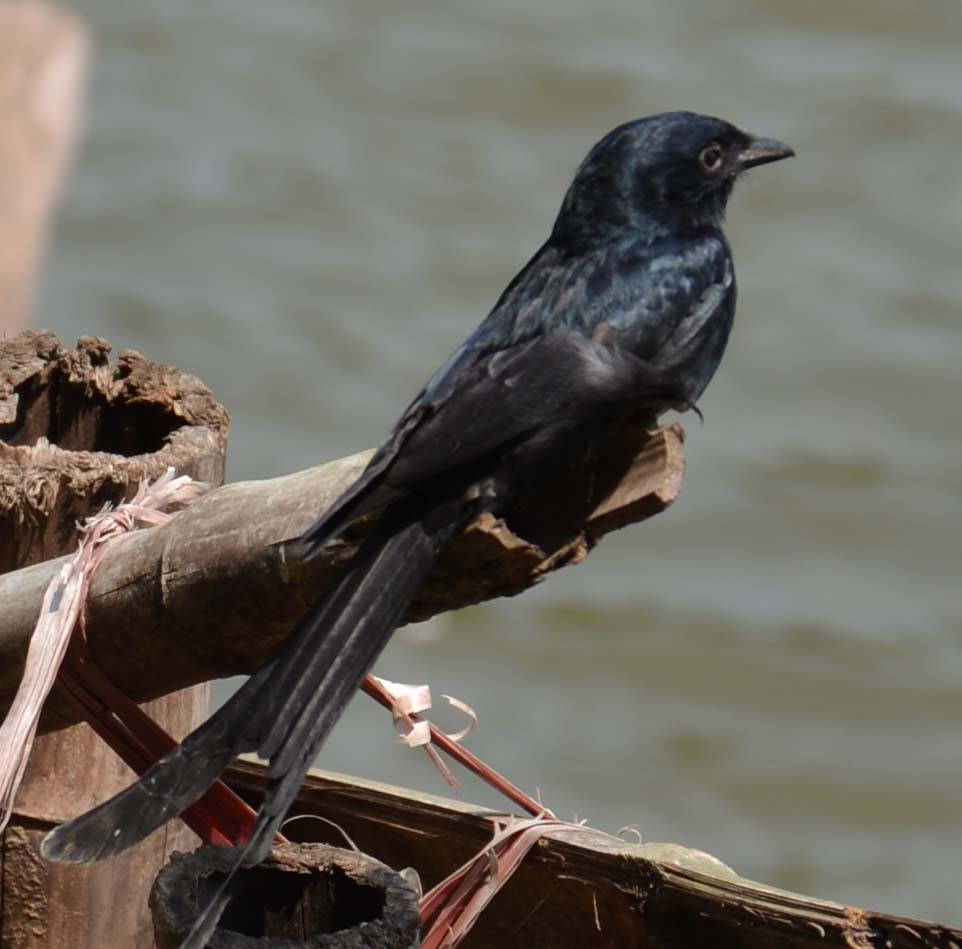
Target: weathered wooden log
x,y
213,592
78,433
310,895
581,889
43,57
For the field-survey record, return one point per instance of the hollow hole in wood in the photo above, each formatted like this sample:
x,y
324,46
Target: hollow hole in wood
x,y
77,419
272,902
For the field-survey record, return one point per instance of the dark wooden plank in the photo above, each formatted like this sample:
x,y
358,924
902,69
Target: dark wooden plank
x,y
576,889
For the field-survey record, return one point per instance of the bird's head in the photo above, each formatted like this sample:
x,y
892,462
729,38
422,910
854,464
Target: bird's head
x,y
663,172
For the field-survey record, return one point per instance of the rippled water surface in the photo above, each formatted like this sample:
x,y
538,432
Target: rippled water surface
x,y
309,205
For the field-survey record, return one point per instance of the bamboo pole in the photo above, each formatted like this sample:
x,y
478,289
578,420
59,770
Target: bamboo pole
x,y
212,593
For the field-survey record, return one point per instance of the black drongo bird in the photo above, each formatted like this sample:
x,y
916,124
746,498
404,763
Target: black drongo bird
x,y
628,304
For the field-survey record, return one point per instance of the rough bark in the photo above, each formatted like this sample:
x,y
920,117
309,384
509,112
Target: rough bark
x,y
43,58
78,433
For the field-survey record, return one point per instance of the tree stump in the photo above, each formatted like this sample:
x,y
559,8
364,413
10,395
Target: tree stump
x,y
75,433
310,895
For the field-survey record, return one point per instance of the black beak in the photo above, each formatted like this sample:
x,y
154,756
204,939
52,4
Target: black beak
x,y
761,151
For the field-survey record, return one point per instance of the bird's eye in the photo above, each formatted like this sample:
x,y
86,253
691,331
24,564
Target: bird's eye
x,y
710,157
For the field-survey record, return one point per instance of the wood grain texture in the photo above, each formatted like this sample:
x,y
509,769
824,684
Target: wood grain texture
x,y
576,889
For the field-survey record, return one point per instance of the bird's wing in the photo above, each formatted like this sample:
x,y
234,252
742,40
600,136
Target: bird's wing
x,y
562,340
560,378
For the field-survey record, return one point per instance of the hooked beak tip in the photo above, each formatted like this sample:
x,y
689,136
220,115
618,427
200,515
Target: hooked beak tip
x,y
762,151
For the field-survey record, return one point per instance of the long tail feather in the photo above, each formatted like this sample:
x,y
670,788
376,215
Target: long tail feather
x,y
284,712
355,626
356,623
166,788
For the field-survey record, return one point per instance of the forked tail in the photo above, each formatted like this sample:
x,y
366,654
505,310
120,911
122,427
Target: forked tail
x,y
284,712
